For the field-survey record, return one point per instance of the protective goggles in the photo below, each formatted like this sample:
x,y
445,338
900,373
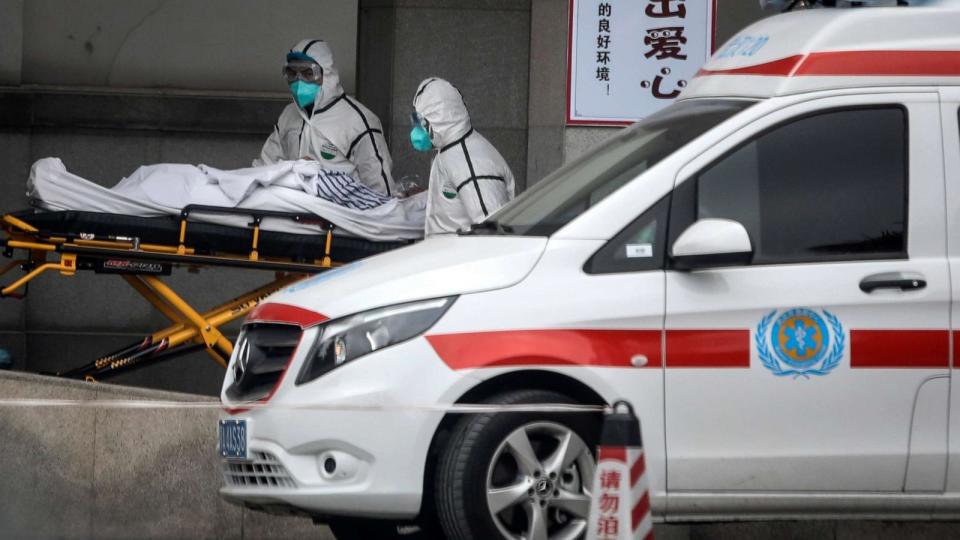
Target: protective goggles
x,y
304,71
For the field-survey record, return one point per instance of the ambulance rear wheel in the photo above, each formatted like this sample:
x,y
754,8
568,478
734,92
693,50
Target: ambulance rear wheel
x,y
518,475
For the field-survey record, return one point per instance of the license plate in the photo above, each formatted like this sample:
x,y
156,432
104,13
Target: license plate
x,y
233,439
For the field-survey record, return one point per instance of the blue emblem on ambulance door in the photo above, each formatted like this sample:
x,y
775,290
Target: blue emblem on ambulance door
x,y
800,342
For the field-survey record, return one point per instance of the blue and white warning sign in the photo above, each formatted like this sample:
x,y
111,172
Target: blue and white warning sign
x,y
630,58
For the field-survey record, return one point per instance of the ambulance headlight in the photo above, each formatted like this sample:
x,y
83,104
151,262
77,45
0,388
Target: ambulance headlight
x,y
349,338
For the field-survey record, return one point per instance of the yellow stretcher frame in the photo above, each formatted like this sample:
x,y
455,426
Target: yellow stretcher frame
x,y
190,329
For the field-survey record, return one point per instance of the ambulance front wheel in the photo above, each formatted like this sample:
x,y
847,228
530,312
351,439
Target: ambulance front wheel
x,y
518,475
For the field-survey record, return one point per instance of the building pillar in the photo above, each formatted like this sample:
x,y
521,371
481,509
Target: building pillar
x,y
11,41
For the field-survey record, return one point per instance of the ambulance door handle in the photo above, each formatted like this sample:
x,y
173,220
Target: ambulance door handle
x,y
903,281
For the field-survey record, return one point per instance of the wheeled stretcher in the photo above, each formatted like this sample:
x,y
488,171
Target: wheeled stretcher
x,y
141,250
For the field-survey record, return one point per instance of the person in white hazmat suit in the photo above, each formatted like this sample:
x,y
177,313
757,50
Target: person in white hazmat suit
x,y
325,124
469,179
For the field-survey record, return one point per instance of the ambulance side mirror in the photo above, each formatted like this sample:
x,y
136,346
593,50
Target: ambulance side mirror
x,y
710,243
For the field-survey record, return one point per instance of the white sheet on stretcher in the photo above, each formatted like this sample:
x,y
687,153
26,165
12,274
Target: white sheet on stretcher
x,y
159,190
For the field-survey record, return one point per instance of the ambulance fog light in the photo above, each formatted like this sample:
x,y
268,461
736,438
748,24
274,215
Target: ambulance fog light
x,y
337,466
343,340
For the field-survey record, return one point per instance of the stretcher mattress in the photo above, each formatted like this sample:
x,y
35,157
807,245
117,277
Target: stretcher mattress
x,y
301,187
205,238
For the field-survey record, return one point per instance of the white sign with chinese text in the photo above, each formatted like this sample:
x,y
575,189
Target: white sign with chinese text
x,y
630,58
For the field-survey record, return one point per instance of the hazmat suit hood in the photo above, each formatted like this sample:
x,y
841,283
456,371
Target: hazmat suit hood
x,y
319,51
337,131
441,104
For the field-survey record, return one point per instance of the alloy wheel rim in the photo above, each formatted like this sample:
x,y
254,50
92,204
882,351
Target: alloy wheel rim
x,y
538,483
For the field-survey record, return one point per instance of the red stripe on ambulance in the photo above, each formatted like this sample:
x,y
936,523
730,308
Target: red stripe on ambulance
x,y
685,349
854,64
777,68
708,348
899,348
956,349
601,348
285,314
878,63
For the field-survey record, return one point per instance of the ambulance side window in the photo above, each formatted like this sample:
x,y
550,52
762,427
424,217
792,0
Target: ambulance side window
x,y
638,247
831,186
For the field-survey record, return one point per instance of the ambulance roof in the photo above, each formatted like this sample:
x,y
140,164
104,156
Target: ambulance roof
x,y
835,48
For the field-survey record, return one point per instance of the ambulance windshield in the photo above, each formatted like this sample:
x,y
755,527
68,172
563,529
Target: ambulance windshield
x,y
571,190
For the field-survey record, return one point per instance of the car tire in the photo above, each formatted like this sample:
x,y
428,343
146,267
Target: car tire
x,y
374,529
490,484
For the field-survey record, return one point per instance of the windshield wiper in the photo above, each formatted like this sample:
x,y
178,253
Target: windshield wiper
x,y
488,227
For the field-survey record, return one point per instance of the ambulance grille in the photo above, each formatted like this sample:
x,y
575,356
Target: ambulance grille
x,y
260,358
265,470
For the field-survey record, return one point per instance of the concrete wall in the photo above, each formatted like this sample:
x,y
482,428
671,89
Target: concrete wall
x,y
223,45
102,473
11,41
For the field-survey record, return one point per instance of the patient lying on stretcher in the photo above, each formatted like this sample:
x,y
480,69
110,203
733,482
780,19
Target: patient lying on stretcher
x,y
301,186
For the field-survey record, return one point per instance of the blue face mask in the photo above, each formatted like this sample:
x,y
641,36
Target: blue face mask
x,y
420,139
305,93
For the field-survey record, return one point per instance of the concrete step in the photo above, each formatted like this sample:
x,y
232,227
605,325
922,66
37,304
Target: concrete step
x,y
108,473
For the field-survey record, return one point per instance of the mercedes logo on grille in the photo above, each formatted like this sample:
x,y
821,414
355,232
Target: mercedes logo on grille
x,y
243,358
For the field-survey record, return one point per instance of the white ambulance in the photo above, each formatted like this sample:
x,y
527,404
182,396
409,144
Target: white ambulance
x,y
767,270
